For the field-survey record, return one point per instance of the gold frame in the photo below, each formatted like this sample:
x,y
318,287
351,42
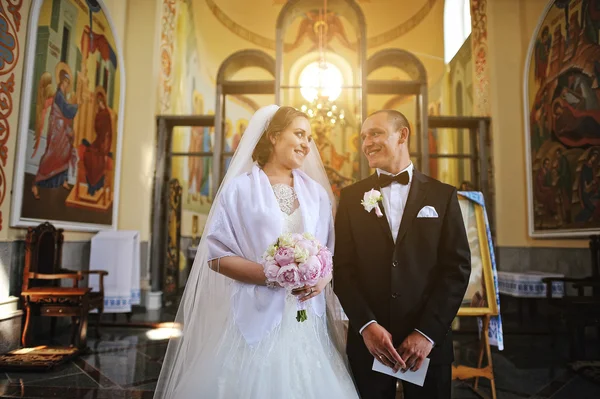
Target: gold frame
x,y
487,270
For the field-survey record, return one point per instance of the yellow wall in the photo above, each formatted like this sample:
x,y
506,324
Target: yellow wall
x,y
136,24
511,24
141,68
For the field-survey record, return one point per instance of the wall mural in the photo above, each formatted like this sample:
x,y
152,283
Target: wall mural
x,y
307,29
70,128
339,149
10,17
193,92
562,99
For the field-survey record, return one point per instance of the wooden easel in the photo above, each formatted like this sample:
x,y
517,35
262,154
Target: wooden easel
x,y
465,373
481,301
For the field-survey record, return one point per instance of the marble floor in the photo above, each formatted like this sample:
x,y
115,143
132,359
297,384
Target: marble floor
x,y
125,363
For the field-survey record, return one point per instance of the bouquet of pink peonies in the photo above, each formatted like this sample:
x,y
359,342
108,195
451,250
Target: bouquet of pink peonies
x,y
296,260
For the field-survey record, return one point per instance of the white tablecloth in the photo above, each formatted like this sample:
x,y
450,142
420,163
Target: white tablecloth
x,y
117,252
528,284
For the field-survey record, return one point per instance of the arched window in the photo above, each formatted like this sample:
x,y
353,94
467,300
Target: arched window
x,y
457,26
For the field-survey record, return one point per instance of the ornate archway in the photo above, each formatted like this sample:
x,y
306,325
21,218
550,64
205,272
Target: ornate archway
x,y
227,86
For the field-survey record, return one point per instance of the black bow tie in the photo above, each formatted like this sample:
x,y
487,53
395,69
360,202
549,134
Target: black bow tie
x,y
386,180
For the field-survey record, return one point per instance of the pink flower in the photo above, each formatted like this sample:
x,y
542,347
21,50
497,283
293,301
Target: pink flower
x,y
326,260
378,211
308,245
284,256
288,276
310,271
271,270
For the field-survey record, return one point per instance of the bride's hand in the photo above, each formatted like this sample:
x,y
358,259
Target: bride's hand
x,y
307,292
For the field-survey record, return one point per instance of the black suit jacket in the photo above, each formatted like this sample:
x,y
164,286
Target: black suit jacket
x,y
417,283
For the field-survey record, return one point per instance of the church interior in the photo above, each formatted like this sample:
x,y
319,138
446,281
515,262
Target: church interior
x,y
119,119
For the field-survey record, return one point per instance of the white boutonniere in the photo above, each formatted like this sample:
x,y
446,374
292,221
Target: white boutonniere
x,y
371,201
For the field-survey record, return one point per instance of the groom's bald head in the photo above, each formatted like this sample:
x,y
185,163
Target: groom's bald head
x,y
396,118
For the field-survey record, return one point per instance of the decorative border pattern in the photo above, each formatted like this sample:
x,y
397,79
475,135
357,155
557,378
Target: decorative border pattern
x,y
372,42
529,285
495,332
479,43
481,78
9,57
403,28
238,29
171,270
167,40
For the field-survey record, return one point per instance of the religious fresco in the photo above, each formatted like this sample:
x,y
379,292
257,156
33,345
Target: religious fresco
x,y
306,28
192,92
339,149
563,120
70,137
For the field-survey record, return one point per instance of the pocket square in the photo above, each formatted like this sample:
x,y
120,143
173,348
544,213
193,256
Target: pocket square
x,y
427,212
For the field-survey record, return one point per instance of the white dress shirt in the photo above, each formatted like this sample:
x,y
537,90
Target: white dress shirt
x,y
396,194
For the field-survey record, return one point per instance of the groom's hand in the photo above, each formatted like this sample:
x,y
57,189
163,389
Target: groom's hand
x,y
379,342
414,349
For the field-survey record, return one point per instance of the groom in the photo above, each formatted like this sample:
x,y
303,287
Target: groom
x,y
401,269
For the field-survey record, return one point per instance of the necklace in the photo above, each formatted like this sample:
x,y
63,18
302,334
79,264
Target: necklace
x,y
286,197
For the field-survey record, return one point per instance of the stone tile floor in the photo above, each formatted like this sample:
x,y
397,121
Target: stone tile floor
x,y
125,363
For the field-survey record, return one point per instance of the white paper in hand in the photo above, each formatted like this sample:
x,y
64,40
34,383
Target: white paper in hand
x,y
415,377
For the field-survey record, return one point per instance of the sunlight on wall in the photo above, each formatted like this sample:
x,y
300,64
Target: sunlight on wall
x,y
4,281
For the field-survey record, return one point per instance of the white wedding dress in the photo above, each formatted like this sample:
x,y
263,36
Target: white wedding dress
x,y
295,361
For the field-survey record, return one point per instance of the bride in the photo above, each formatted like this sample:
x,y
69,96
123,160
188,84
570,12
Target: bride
x,y
239,337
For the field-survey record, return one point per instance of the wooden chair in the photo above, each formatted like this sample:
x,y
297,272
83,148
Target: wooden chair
x,y
42,293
